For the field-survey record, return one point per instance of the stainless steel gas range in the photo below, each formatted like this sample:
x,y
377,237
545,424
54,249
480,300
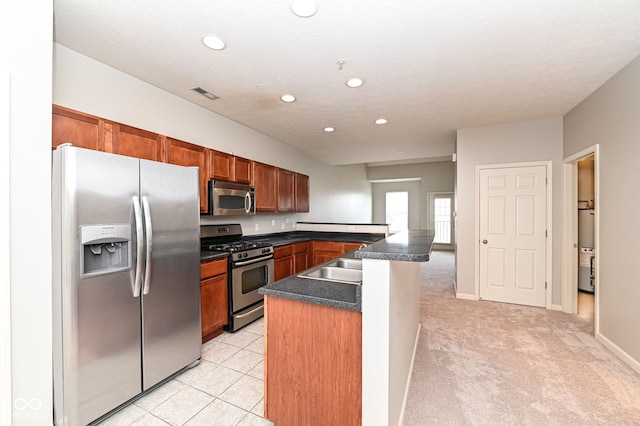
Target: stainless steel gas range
x,y
250,267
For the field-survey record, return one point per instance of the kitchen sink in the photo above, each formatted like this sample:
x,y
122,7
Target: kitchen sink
x,y
341,270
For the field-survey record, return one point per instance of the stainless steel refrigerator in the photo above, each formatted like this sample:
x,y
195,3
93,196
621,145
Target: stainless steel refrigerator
x,y
126,279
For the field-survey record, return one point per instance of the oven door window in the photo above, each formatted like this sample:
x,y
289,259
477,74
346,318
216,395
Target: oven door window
x,y
254,278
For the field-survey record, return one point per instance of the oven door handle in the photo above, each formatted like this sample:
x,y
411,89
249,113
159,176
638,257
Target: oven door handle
x,y
250,312
249,262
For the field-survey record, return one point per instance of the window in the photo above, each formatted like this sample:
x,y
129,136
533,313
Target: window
x,y
397,211
442,220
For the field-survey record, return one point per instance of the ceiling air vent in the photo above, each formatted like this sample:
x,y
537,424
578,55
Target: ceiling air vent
x,y
206,93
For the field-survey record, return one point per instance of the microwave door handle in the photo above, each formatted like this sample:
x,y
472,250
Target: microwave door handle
x,y
139,246
247,202
149,241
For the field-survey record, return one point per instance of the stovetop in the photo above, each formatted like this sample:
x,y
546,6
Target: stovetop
x,y
228,239
234,246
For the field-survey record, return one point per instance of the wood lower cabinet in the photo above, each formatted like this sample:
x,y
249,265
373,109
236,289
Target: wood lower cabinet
x,y
313,364
282,262
323,251
300,257
301,189
82,130
265,180
187,154
133,142
214,295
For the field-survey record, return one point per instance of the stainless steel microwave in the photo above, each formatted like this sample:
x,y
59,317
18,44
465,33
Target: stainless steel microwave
x,y
229,198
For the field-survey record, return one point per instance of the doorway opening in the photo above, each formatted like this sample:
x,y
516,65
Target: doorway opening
x,y
440,218
581,235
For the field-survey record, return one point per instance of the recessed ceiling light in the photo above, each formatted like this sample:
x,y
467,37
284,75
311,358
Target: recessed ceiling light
x,y
304,8
213,42
329,129
288,98
381,121
355,82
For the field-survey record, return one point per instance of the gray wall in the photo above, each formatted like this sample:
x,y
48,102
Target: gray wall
x,y
437,176
610,118
538,140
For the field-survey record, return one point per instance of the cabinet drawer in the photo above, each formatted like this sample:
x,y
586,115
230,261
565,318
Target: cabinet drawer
x,y
283,251
213,268
300,247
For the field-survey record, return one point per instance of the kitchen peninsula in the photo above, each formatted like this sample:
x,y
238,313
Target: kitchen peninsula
x,y
341,352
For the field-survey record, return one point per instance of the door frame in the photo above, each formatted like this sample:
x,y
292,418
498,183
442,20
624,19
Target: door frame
x,y
431,196
548,217
570,232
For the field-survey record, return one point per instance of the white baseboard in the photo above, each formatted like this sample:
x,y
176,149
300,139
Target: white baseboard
x,y
406,389
556,307
466,296
619,352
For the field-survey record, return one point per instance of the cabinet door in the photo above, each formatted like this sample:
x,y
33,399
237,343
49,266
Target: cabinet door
x,y
283,262
137,143
301,198
300,257
186,154
264,179
323,251
221,166
214,304
350,247
285,190
241,170
82,130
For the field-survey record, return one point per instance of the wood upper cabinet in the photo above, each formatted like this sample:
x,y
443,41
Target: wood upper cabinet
x,y
82,130
221,165
241,170
213,297
301,188
265,180
285,190
133,142
186,154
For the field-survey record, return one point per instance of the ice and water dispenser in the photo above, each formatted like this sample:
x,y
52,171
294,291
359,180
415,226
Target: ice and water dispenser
x,y
105,249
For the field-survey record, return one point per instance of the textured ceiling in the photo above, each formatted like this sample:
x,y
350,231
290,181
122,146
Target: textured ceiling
x,y
430,67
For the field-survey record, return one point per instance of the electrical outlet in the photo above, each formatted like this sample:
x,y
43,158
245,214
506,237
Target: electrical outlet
x,y
273,222
256,227
282,225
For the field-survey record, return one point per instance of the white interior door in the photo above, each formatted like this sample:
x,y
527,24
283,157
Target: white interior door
x,y
513,210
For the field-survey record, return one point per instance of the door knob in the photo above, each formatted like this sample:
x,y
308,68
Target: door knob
x,y
484,241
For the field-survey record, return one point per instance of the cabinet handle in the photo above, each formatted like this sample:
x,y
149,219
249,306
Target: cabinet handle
x,y
485,242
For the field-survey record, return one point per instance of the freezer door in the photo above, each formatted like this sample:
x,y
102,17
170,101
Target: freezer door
x,y
96,319
171,289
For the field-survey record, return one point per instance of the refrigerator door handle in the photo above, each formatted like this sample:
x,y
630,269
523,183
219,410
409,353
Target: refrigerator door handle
x,y
139,246
149,240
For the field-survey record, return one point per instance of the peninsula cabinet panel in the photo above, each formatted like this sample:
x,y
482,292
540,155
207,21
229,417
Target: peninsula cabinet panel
x,y
241,170
313,374
138,143
221,166
82,130
301,184
265,180
187,154
285,190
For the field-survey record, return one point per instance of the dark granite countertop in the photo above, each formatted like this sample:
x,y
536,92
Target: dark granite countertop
x,y
413,245
283,238
408,246
206,255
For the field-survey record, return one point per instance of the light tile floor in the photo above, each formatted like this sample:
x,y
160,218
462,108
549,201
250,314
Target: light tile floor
x,y
226,388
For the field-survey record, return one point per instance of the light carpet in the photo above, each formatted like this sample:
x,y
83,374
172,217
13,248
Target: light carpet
x,y
487,363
